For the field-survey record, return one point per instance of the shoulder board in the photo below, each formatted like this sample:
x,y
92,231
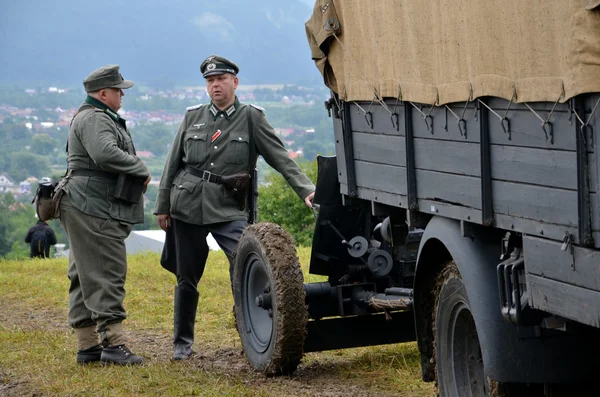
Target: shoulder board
x,y
194,107
257,107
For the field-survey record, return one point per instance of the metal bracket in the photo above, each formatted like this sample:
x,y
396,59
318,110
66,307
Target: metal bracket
x,y
568,245
506,127
369,119
462,127
395,124
426,117
547,126
429,123
394,116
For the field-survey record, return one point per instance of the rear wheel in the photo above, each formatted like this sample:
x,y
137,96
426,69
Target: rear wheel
x,y
269,299
459,362
458,354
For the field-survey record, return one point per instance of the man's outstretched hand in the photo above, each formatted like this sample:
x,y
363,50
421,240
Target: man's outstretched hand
x,y
309,199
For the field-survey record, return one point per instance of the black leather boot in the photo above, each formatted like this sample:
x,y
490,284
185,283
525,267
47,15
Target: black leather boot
x,y
120,355
186,303
89,355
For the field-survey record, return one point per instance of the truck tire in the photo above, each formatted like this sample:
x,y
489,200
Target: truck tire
x,y
269,299
459,363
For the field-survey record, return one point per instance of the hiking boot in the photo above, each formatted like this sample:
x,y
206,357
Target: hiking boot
x,y
182,352
119,355
89,355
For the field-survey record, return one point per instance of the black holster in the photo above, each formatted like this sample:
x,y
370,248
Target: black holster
x,y
238,184
129,188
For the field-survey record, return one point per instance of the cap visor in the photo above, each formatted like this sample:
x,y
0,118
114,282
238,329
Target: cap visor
x,y
124,84
214,72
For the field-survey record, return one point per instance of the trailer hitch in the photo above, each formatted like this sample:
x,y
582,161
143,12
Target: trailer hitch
x,y
514,299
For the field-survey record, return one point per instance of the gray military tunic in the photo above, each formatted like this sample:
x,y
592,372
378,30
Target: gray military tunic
x,y
99,140
96,223
218,141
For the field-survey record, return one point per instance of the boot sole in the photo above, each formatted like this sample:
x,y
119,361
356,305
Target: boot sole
x,y
82,360
107,363
181,358
87,361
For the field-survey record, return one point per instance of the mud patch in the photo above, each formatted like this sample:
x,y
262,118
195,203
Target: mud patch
x,y
9,386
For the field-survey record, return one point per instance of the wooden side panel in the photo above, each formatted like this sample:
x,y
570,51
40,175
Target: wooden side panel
x,y
535,202
553,168
377,148
385,178
449,188
453,157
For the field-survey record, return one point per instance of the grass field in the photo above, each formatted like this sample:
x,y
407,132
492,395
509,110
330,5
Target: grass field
x,y
38,348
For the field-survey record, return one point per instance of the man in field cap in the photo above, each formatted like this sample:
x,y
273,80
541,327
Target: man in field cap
x,y
216,142
97,217
106,77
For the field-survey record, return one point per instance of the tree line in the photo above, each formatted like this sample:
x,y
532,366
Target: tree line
x,y
276,200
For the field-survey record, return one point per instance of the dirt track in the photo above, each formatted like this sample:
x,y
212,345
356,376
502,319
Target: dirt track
x,y
227,362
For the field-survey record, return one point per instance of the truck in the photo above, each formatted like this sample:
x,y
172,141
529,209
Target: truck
x,y
461,208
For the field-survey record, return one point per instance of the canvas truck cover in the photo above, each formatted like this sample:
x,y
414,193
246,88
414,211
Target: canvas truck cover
x,y
443,51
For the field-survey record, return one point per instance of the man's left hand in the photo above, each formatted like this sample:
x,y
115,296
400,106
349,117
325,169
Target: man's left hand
x,y
309,199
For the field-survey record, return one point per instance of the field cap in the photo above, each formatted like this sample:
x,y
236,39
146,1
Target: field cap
x,y
215,64
106,77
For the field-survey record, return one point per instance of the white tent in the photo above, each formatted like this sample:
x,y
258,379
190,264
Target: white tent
x,y
153,240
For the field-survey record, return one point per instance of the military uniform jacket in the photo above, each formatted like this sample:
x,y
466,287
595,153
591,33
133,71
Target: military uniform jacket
x,y
99,140
218,141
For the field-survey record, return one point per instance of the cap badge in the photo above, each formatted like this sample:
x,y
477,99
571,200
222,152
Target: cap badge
x,y
210,66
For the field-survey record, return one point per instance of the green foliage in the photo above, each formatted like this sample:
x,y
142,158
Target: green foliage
x,y
61,236
18,217
278,203
149,218
43,144
26,164
298,116
153,137
5,244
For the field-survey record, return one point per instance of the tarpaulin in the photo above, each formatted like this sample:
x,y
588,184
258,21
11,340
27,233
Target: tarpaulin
x,y
443,51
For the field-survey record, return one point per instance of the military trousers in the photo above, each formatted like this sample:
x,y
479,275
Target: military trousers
x,y
192,249
97,267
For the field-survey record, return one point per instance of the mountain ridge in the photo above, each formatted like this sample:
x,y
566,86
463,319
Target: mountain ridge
x,y
155,44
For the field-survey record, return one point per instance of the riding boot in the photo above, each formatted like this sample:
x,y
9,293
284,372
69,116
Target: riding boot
x,y
186,303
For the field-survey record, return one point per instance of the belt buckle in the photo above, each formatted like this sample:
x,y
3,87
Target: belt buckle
x,y
206,175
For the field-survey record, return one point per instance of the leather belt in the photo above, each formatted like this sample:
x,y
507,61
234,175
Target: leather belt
x,y
88,172
203,174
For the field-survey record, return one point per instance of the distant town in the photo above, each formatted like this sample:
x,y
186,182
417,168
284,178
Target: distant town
x,y
36,120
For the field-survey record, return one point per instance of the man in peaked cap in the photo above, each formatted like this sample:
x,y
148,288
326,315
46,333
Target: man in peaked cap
x,y
214,65
213,143
97,217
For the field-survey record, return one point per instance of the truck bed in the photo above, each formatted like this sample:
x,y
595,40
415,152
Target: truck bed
x,y
513,175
